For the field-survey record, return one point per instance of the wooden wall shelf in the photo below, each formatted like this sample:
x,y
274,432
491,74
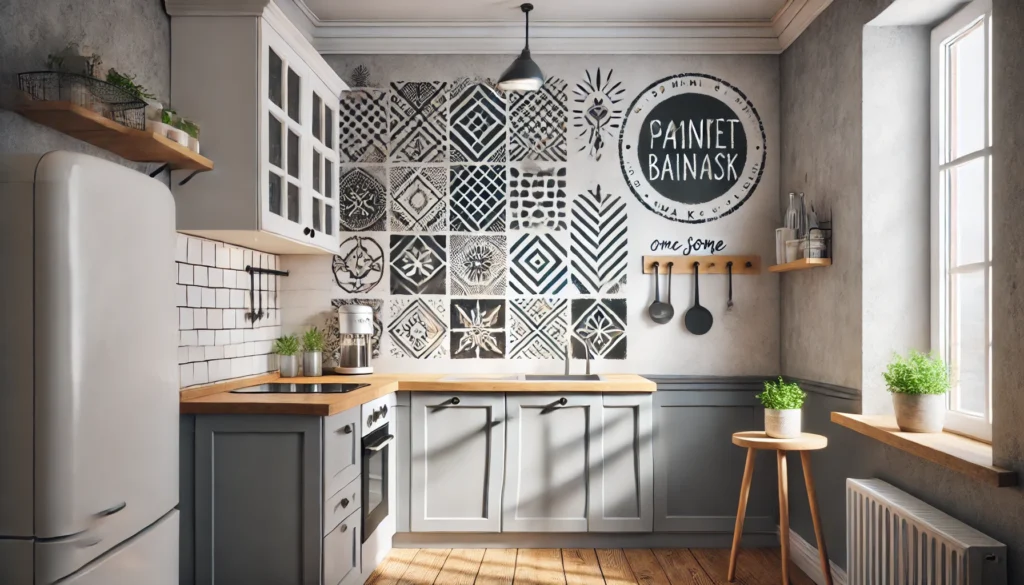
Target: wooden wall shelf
x,y
134,145
801,264
708,264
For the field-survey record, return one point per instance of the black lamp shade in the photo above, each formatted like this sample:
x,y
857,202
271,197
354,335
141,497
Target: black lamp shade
x,y
522,75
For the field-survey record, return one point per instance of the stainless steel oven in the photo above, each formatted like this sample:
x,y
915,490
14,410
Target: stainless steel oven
x,y
376,451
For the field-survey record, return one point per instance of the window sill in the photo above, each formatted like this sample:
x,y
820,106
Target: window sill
x,y
955,452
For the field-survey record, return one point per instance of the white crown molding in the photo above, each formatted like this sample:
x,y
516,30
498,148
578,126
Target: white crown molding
x,y
297,40
215,7
795,21
805,555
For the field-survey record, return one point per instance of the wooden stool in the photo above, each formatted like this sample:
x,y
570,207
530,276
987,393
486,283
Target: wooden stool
x,y
753,441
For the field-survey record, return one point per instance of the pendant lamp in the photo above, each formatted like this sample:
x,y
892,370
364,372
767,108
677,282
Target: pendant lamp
x,y
523,74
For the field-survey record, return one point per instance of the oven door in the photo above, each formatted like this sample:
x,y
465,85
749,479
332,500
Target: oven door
x,y
376,447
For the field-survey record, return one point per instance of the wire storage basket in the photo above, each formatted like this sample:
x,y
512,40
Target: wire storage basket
x,y
97,95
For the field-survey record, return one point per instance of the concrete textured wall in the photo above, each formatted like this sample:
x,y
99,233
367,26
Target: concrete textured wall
x,y
133,36
826,327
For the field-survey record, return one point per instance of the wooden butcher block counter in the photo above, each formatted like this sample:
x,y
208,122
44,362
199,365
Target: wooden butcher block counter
x,y
218,398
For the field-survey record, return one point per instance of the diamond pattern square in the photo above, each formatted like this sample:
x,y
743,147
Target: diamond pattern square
x,y
418,199
476,123
362,126
418,328
477,198
478,328
417,124
539,120
538,265
602,324
537,328
419,265
478,265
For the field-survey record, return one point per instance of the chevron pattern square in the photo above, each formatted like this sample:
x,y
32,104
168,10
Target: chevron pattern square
x,y
418,114
477,198
419,265
538,120
476,124
418,328
478,265
598,243
537,328
602,324
362,126
537,200
537,265
418,198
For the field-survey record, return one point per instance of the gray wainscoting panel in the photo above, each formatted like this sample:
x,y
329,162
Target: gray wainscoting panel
x,y
258,488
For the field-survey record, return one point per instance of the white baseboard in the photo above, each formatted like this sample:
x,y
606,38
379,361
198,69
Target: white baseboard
x,y
805,555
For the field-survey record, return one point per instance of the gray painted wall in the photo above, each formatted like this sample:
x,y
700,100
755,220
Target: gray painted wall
x,y
133,36
826,325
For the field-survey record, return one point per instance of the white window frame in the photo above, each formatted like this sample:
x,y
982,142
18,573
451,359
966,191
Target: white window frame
x,y
979,427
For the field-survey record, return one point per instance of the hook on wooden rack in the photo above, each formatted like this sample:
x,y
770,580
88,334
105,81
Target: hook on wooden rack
x,y
704,264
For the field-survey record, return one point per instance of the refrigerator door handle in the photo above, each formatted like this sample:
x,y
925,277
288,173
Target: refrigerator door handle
x,y
112,510
86,538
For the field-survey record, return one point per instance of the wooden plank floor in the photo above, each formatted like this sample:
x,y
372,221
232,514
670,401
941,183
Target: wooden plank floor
x,y
580,567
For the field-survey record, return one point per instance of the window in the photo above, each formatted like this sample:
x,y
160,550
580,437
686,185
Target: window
x,y
961,213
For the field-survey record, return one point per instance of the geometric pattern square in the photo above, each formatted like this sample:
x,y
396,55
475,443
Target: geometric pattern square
x,y
476,123
537,199
477,265
477,198
538,265
332,340
418,114
599,242
362,199
418,196
478,328
418,328
602,324
363,126
419,265
537,328
539,121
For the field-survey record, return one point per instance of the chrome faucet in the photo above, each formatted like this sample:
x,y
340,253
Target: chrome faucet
x,y
568,354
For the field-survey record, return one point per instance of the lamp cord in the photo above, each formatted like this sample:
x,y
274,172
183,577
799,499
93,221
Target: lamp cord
x,y
527,29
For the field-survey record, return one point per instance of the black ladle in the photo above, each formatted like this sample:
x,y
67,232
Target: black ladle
x,y
698,319
660,312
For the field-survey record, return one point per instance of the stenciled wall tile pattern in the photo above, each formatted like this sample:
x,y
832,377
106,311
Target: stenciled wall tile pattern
x,y
216,340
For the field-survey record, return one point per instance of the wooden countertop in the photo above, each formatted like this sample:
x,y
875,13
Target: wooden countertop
x,y
218,399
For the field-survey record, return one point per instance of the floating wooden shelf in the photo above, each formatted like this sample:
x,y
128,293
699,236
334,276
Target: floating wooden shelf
x,y
132,144
708,264
801,264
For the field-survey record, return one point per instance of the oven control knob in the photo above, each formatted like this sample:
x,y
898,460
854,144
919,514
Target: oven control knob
x,y
369,420
384,410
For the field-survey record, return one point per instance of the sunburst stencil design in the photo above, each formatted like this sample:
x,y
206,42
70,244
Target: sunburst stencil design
x,y
419,265
539,121
419,113
478,328
598,111
537,328
477,265
418,328
418,196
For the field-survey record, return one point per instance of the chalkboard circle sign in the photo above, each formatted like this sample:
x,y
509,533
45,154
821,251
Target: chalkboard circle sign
x,y
692,147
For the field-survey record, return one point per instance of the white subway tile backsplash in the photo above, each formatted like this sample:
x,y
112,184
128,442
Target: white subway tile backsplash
x,y
195,251
216,340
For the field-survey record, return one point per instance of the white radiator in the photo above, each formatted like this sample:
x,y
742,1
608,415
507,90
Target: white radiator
x,y
893,538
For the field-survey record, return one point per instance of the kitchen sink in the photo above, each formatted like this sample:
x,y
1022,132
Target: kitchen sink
x,y
563,378
482,378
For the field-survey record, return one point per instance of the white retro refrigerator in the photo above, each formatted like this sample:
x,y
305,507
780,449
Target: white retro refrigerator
x,y
88,374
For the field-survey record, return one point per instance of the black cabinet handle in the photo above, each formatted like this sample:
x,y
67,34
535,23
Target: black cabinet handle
x,y
344,527
563,401
344,502
347,429
455,401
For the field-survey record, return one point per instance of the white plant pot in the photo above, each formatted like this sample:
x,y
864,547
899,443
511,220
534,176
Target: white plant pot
x,y
178,136
157,127
193,144
782,424
920,413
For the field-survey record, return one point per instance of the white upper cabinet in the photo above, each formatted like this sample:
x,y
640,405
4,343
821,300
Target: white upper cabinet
x,y
266,103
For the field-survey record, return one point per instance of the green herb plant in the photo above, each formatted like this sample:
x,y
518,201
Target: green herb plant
x,y
782,395
286,345
168,116
313,340
188,127
916,373
127,83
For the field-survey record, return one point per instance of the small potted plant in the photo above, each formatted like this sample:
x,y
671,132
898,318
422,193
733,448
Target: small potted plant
x,y
287,349
192,129
782,402
918,383
312,353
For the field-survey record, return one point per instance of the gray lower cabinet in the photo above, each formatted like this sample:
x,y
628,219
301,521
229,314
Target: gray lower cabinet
x,y
622,463
698,470
457,456
260,507
547,467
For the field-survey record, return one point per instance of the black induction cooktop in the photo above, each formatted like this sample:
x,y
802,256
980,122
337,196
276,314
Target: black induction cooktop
x,y
300,389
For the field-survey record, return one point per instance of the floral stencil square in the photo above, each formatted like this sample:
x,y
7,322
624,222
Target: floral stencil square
x,y
478,328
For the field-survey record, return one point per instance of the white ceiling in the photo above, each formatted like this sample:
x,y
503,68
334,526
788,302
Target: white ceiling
x,y
545,10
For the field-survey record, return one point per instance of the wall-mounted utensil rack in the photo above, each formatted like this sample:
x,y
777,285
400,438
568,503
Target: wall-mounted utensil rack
x,y
705,264
255,314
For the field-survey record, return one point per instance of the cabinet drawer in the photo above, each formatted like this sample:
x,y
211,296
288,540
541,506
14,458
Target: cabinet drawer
x,y
341,504
342,549
342,456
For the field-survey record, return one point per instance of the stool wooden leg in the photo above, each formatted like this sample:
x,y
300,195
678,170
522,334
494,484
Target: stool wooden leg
x,y
805,460
741,513
783,515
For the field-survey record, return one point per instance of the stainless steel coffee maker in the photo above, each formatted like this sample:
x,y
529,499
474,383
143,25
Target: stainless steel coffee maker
x,y
355,324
